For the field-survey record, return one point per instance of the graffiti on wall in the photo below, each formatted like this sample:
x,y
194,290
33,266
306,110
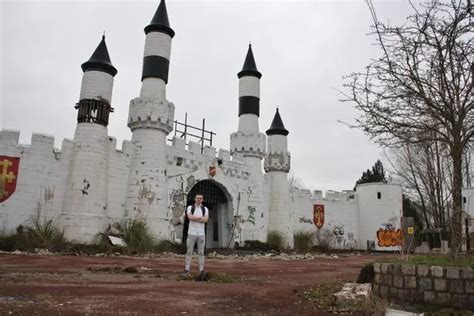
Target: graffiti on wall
x,y
251,218
306,220
389,236
338,232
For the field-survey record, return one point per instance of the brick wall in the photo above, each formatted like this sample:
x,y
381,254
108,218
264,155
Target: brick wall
x,y
442,286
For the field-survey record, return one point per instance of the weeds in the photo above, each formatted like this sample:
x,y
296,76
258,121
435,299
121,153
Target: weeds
x,y
39,233
276,240
303,241
221,278
324,238
321,298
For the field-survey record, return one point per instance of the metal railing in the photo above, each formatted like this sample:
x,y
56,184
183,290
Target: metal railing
x,y
184,130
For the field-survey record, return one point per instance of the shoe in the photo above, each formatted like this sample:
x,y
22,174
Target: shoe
x,y
202,276
184,275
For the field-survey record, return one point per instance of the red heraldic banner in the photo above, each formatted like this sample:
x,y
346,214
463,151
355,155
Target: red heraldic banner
x,y
318,215
8,176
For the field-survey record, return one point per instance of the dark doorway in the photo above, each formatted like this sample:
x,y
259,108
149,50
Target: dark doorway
x,y
219,212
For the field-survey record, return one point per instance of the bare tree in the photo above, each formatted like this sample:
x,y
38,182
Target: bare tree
x,y
424,172
420,88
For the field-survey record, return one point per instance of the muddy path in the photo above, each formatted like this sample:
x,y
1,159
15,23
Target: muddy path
x,y
80,285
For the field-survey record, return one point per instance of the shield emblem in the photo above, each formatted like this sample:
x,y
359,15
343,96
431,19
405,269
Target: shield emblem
x,y
318,215
8,176
212,171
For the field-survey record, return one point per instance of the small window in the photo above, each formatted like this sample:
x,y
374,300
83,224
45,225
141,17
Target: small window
x,y
379,195
179,161
464,200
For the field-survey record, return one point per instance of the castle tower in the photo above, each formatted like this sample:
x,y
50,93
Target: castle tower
x,y
85,205
277,166
151,120
248,142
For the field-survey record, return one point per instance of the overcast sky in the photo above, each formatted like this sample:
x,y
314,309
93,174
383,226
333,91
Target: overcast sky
x,y
302,49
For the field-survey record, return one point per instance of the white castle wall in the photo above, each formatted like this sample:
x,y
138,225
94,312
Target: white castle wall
x,y
118,173
468,201
41,181
186,167
340,216
375,212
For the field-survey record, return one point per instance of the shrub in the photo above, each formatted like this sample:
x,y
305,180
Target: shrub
x,y
303,241
257,245
168,246
275,240
324,239
136,234
47,233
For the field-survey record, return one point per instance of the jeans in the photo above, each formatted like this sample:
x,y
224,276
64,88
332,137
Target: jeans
x,y
201,241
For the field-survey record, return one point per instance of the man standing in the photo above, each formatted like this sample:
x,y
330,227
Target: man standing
x,y
198,215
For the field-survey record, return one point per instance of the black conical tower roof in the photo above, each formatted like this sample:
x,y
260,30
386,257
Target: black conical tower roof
x,y
277,127
100,60
249,68
160,22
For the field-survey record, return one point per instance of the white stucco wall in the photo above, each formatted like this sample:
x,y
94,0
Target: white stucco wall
x,y
41,183
374,213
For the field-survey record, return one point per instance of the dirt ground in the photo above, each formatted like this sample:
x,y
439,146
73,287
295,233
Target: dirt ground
x,y
80,285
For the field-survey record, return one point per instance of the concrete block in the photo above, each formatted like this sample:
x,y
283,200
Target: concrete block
x,y
384,291
377,278
460,300
452,273
377,267
423,249
429,296
469,286
408,269
398,281
437,271
425,284
410,282
456,286
440,285
443,298
393,291
385,267
422,271
387,279
468,273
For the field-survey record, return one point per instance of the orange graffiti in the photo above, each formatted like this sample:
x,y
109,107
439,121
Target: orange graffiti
x,y
389,237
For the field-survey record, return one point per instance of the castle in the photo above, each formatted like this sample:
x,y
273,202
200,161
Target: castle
x,y
89,184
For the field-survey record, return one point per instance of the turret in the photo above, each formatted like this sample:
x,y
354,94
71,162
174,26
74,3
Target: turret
x,y
249,143
151,119
85,206
277,157
96,89
277,166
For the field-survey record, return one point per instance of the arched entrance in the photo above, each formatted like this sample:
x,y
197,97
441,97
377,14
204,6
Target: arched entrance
x,y
219,203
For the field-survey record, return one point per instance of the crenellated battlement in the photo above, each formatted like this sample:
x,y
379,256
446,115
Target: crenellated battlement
x,y
277,161
40,142
252,144
189,156
151,113
126,149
